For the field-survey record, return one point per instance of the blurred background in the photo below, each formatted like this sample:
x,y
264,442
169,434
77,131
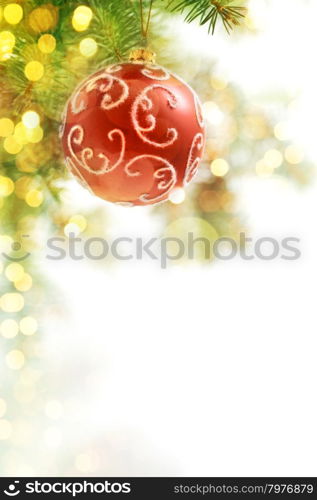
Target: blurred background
x,y
121,368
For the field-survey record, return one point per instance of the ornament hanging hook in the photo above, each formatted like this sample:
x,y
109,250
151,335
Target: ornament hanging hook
x,y
142,55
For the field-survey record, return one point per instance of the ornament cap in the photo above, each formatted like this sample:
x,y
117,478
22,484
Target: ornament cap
x,y
144,55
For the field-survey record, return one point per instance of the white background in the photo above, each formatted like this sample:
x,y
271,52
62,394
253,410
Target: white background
x,y
200,370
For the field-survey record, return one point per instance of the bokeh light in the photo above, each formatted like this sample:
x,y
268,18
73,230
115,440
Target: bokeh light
x,y
20,133
15,359
6,186
5,243
81,18
34,198
12,302
273,158
7,42
71,229
281,131
14,271
219,167
30,119
80,221
294,155
11,145
28,325
43,18
47,43
6,127
13,13
177,196
35,135
88,47
9,328
24,284
212,113
34,70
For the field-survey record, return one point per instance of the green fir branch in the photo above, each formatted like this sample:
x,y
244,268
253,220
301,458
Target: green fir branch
x,y
209,12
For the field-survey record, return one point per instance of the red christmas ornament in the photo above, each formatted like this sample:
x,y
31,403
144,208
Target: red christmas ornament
x,y
133,132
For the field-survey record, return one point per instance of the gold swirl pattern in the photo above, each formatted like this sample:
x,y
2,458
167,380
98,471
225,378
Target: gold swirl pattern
x,y
78,105
144,103
76,136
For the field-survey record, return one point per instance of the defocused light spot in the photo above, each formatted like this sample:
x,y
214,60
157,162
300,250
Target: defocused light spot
x,y
14,271
28,325
20,133
88,47
281,131
177,196
294,155
12,302
35,135
47,44
24,284
5,243
34,70
256,126
9,328
43,18
34,198
11,145
13,13
7,42
6,186
71,230
30,119
273,158
81,18
219,167
6,127
80,221
15,359
22,186
212,113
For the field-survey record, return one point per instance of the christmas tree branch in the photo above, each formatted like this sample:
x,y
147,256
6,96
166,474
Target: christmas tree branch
x,y
209,12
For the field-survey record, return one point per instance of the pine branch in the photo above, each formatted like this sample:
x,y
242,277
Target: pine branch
x,y
115,27
209,12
